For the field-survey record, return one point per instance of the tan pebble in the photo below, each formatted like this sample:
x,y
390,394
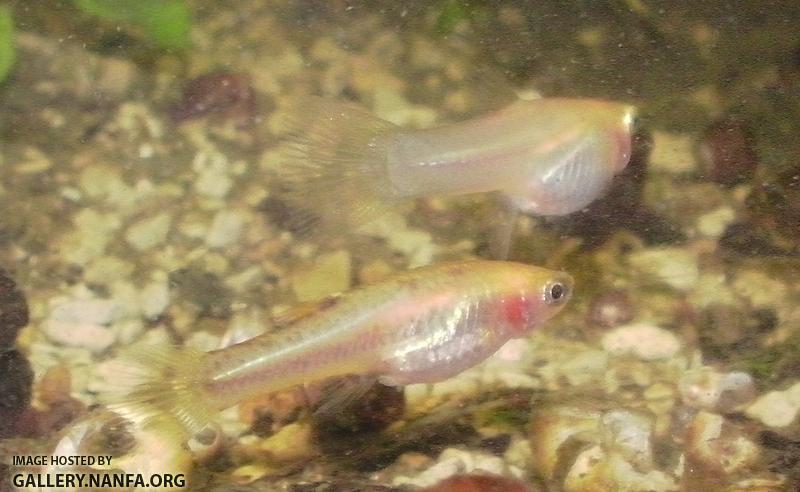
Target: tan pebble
x,y
374,271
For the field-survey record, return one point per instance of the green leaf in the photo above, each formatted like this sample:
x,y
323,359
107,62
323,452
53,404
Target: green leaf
x,y
7,51
166,22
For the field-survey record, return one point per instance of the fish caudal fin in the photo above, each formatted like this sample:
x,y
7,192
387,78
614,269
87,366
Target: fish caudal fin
x,y
158,382
334,165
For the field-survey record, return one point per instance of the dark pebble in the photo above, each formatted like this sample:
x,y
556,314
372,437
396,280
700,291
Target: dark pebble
x,y
744,239
727,155
16,381
497,445
621,207
13,310
219,92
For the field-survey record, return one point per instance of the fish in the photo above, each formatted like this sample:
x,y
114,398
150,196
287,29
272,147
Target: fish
x,y
546,156
419,326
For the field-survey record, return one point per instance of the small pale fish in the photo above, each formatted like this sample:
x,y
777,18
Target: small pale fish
x,y
424,325
548,156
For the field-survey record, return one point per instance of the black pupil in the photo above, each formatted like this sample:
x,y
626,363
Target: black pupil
x,y
557,292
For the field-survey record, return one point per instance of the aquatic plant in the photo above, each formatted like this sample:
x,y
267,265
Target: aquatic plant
x,y
7,51
165,23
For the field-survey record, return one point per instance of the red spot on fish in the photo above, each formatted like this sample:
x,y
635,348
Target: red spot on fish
x,y
516,310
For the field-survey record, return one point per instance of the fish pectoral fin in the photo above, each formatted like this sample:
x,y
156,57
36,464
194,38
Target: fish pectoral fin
x,y
304,310
341,392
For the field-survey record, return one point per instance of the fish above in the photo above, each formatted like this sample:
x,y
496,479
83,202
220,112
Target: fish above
x,y
548,156
420,326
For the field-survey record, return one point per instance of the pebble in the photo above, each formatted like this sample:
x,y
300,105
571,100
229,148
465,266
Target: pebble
x,y
83,322
150,232
154,298
677,267
212,179
776,408
293,442
707,389
15,388
714,223
454,461
479,482
415,244
225,228
107,269
642,340
227,92
93,231
672,153
610,309
13,310
762,289
331,274
727,153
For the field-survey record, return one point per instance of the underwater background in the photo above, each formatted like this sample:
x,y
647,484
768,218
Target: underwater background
x,y
138,206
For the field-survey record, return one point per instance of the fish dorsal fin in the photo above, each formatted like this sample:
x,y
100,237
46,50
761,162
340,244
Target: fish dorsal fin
x,y
303,310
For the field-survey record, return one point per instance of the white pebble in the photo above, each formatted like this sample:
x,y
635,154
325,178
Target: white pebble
x,y
776,408
225,229
642,340
154,299
676,267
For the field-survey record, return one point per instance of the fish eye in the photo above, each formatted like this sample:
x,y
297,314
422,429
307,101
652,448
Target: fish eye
x,y
556,293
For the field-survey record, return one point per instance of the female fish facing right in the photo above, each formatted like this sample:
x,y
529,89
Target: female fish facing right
x,y
550,156
424,325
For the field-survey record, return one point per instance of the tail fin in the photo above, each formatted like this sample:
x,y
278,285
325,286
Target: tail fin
x,y
335,165
162,381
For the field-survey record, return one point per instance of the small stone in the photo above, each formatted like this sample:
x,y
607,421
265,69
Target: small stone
x,y
392,106
454,461
92,233
149,232
83,323
727,154
715,446
672,153
714,223
762,289
330,275
225,229
777,408
610,309
13,310
154,299
415,244
642,340
107,269
293,442
479,482
212,180
219,92
374,271
15,389
707,389
676,267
